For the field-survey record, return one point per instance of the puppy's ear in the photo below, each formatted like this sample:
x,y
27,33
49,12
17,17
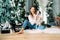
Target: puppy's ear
x,y
48,26
43,23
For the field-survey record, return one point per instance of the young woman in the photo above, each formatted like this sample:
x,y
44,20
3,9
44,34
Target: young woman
x,y
34,22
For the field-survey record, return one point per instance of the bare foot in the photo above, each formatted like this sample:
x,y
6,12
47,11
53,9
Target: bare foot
x,y
21,31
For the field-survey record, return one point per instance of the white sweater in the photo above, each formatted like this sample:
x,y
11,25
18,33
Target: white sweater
x,y
33,20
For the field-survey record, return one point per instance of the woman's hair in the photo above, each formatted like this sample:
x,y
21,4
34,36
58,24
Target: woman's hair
x,y
35,10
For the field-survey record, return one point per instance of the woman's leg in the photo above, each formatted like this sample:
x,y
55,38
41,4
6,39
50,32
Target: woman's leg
x,y
27,23
41,27
34,26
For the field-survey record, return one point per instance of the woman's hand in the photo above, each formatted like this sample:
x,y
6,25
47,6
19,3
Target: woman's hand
x,y
37,17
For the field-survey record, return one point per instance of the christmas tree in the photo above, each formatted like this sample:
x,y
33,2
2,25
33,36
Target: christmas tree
x,y
12,10
50,18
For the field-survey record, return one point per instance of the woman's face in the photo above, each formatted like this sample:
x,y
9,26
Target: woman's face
x,y
32,10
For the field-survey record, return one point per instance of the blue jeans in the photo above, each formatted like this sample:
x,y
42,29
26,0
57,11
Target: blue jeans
x,y
27,23
41,27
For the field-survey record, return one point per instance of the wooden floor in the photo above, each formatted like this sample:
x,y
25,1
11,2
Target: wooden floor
x,y
27,36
